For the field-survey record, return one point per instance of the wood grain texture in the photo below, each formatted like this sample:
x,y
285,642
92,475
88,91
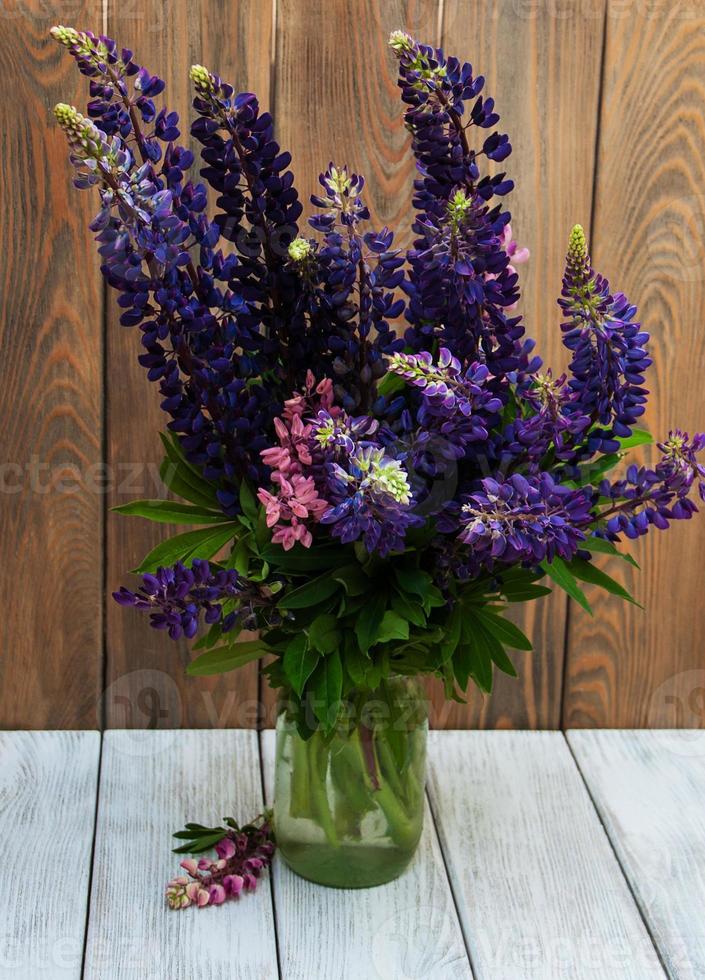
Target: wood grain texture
x,y
336,97
629,668
539,890
407,928
151,783
146,682
50,399
48,785
649,788
542,65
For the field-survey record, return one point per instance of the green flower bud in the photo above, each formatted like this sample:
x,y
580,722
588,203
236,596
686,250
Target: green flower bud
x,y
202,79
400,41
299,250
85,139
68,36
577,246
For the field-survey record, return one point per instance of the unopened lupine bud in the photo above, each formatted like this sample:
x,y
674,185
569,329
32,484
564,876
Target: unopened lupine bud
x,y
68,36
577,257
85,139
177,893
401,41
203,80
299,250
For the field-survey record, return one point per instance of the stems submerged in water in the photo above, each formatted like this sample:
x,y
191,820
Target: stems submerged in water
x,y
349,804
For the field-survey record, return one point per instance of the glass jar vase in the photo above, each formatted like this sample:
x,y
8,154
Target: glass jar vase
x,y
348,805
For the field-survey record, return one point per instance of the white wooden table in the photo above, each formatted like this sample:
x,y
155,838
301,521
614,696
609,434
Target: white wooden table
x,y
543,856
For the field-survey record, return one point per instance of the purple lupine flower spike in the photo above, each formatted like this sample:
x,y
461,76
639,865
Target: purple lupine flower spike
x,y
523,519
176,598
653,497
461,286
609,350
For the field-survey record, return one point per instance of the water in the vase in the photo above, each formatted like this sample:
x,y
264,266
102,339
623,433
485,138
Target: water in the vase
x,y
349,806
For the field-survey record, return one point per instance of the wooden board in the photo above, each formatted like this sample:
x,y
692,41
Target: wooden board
x,y
151,784
540,892
407,928
48,783
628,668
543,70
50,398
649,788
146,682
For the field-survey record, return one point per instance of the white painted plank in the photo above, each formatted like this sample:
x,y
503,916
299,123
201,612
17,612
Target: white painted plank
x,y
649,787
540,893
48,784
151,784
399,931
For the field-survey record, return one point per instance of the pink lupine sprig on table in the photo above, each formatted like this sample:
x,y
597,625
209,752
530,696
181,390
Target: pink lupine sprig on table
x,y
243,853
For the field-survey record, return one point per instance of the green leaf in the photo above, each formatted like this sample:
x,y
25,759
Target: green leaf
x,y
299,662
605,547
184,479
452,635
299,559
391,383
240,557
356,663
505,631
203,543
310,593
525,593
639,437
392,627
226,658
369,619
209,639
248,502
587,572
561,575
327,688
413,580
433,599
169,512
409,610
492,645
200,845
593,472
353,579
323,633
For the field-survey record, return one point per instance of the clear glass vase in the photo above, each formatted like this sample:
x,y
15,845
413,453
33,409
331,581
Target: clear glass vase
x,y
348,806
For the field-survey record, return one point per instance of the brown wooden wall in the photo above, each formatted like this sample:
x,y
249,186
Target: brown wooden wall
x,y
605,104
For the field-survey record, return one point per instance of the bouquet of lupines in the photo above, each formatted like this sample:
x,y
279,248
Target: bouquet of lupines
x,y
369,496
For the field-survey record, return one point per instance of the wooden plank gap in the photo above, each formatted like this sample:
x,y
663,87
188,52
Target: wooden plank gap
x,y
270,874
598,814
93,839
456,903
